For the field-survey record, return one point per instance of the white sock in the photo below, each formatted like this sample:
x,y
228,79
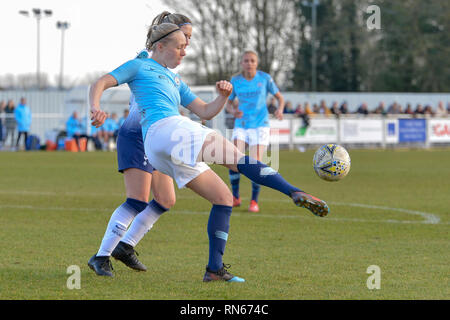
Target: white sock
x,y
117,226
143,223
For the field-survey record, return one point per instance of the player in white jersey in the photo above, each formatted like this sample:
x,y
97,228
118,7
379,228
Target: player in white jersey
x,y
251,127
180,147
132,219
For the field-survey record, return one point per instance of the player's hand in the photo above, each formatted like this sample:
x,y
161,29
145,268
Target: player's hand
x,y
98,117
238,114
278,114
224,88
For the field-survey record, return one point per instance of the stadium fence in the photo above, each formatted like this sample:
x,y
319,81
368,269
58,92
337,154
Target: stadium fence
x,y
51,109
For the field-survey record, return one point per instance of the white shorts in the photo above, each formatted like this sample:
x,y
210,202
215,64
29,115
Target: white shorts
x,y
256,136
172,146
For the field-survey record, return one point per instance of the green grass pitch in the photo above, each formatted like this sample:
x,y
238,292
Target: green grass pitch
x,y
392,211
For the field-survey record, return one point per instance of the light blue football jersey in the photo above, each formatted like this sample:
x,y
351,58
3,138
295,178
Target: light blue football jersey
x,y
157,90
132,124
252,95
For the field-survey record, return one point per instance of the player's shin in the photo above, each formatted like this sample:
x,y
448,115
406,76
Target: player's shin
x,y
218,227
118,224
143,223
261,173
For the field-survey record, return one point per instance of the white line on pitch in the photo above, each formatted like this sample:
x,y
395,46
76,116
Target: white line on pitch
x,y
430,218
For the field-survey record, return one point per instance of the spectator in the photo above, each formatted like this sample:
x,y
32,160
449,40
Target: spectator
x,y
395,108
428,110
110,129
96,137
380,109
335,109
289,108
440,110
10,122
23,118
419,109
344,108
84,133
408,109
74,128
323,109
299,111
126,112
308,110
272,106
316,108
363,109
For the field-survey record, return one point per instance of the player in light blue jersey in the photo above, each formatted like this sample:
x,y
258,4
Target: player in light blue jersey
x,y
180,147
133,219
251,127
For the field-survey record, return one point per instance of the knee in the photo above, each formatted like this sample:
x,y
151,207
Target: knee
x,y
167,201
224,199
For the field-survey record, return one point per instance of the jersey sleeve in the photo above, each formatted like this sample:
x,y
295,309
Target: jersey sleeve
x,y
186,95
127,71
271,86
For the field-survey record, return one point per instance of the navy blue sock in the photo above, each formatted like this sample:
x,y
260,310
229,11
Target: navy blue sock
x,y
234,181
157,207
218,226
136,204
255,191
261,173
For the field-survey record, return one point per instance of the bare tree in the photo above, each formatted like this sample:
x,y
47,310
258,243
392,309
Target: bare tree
x,y
224,29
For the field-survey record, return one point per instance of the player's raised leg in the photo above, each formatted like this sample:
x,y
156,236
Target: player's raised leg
x,y
259,172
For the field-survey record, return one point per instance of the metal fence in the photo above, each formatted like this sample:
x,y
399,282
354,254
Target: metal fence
x,y
370,131
51,109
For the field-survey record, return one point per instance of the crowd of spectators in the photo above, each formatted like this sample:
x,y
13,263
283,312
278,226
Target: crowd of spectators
x,y
17,118
15,123
103,138
336,109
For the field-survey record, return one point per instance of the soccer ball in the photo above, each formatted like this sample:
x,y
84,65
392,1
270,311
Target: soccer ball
x,y
331,162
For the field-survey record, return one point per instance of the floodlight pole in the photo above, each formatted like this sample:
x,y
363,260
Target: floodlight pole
x,y
38,14
63,26
313,6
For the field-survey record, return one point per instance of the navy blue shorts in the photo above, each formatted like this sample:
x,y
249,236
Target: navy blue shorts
x,y
130,151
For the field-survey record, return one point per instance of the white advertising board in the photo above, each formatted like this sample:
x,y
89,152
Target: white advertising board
x,y
439,130
361,130
318,131
392,131
280,131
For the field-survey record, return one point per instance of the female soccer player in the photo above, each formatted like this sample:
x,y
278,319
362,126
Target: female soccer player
x,y
179,147
132,219
251,127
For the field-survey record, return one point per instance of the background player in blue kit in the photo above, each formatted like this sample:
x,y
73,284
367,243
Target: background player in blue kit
x,y
251,127
180,147
132,219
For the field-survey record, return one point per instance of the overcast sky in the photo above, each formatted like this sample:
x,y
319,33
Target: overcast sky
x,y
102,35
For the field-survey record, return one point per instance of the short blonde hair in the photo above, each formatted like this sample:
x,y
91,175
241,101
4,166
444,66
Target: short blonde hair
x,y
250,52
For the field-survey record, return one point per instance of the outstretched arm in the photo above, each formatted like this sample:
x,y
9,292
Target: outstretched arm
x,y
207,111
98,116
